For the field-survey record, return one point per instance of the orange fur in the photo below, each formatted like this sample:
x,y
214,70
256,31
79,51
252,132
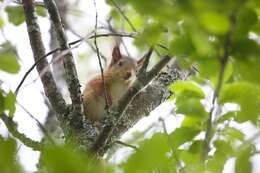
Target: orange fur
x,y
118,77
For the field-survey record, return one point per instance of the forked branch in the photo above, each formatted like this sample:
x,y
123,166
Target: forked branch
x,y
143,78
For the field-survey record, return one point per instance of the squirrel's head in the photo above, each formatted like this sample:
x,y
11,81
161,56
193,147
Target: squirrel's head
x,y
123,66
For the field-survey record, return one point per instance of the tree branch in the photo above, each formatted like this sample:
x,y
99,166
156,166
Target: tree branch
x,y
39,124
39,60
49,85
142,80
12,128
124,16
126,145
32,67
223,63
99,60
70,69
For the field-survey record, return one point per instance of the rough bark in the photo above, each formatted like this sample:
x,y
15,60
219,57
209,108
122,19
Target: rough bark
x,y
38,49
81,132
147,100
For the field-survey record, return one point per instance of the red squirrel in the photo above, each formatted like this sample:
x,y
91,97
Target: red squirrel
x,y
117,78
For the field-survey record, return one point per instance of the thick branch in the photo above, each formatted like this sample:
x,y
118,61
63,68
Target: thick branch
x,y
38,49
145,101
142,80
12,128
70,69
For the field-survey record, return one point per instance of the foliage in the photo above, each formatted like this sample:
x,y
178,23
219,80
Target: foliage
x,y
8,162
221,39
8,60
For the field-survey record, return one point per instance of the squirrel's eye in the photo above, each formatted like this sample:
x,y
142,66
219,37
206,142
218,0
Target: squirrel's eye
x,y
120,63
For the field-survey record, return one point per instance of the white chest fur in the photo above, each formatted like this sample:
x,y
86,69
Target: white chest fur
x,y
118,90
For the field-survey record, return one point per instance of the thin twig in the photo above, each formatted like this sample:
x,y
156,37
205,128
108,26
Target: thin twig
x,y
131,35
57,49
99,61
90,45
223,63
32,67
113,30
39,124
124,16
129,22
127,145
54,60
163,125
12,128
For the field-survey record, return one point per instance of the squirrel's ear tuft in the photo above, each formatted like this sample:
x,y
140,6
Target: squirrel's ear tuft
x,y
116,54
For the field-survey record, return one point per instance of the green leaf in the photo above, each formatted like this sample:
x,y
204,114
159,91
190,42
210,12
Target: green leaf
x,y
232,133
182,135
190,107
196,146
201,42
247,69
246,19
215,23
243,163
181,46
184,86
247,96
62,159
10,103
8,62
1,22
192,122
217,161
245,48
147,35
8,160
136,20
227,116
151,155
192,158
15,15
41,11
209,68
